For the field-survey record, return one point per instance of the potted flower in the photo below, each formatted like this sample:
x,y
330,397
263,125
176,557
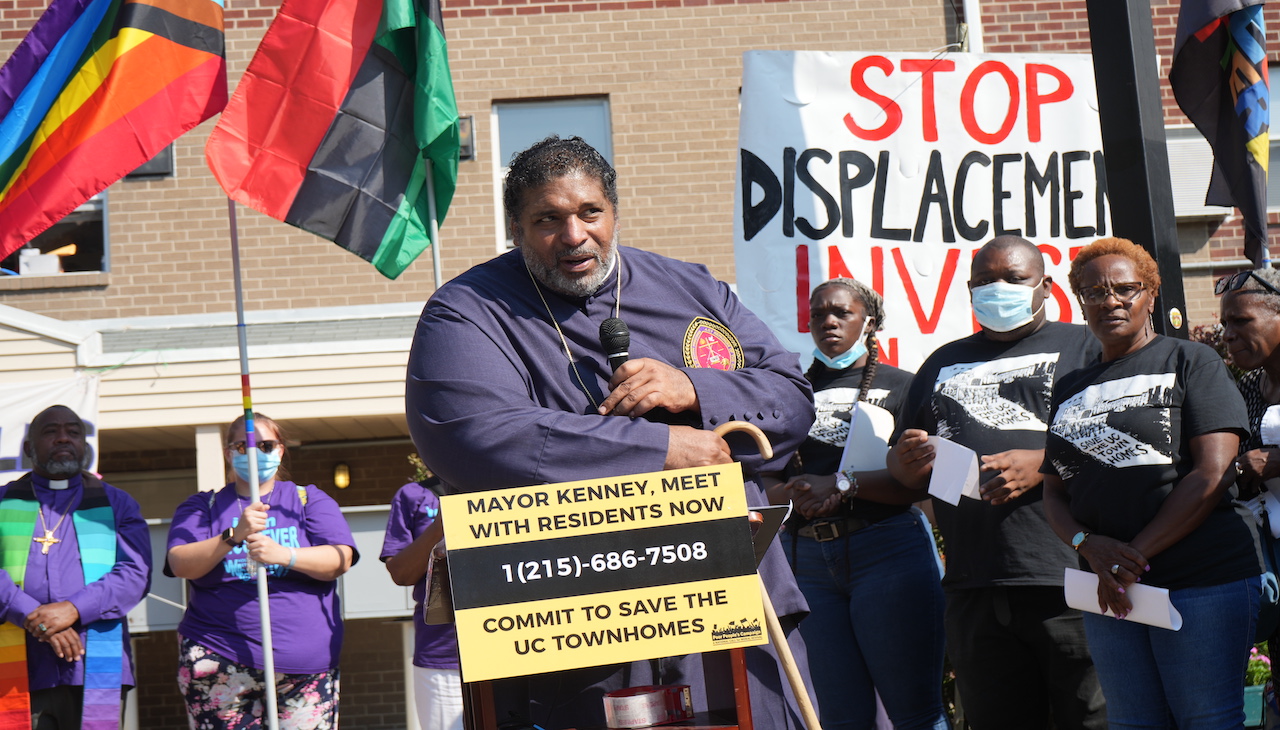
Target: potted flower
x,y
1256,675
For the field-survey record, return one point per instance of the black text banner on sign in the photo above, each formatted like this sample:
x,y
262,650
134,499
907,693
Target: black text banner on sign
x,y
562,576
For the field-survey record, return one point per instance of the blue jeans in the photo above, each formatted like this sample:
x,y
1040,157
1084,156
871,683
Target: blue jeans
x,y
875,623
1190,679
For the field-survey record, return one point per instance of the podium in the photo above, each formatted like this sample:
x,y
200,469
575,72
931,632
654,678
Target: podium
x,y
728,696
683,518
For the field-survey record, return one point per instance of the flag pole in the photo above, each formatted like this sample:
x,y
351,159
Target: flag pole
x,y
250,446
435,226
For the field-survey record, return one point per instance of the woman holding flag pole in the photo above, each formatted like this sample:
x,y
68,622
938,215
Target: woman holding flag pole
x,y
222,542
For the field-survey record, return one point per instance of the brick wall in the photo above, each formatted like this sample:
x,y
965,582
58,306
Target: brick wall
x,y
377,471
160,705
372,676
671,69
111,461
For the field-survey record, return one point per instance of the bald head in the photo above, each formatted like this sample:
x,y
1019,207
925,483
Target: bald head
x,y
1020,248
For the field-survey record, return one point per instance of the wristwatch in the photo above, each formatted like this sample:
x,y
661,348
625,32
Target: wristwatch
x,y
842,483
229,537
1077,540
848,485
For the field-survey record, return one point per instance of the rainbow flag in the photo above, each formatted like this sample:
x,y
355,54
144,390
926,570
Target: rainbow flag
x,y
333,123
1219,78
97,88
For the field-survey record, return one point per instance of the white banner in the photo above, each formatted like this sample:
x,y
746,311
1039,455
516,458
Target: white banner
x,y
21,402
894,168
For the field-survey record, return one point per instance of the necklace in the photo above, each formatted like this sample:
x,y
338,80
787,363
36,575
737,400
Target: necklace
x,y
48,540
617,307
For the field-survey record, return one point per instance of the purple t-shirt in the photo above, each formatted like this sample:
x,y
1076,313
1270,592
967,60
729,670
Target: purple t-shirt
x,y
413,509
222,612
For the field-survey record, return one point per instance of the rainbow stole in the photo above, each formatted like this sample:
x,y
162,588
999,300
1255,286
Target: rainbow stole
x,y
95,527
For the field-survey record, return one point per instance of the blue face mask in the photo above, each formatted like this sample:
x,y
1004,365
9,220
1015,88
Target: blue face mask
x,y
845,359
1004,307
267,464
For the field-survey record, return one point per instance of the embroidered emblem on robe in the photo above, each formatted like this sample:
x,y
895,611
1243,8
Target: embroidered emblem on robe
x,y
709,344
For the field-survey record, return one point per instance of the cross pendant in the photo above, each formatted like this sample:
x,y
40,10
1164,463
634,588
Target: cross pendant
x,y
46,542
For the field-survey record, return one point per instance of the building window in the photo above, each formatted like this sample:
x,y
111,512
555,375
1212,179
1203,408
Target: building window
x,y
158,167
78,242
518,124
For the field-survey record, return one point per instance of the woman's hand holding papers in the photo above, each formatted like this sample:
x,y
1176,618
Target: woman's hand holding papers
x,y
1117,566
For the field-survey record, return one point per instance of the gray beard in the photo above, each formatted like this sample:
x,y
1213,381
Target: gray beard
x,y
63,468
555,280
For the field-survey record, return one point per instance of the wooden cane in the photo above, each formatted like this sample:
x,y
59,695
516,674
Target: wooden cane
x,y
779,638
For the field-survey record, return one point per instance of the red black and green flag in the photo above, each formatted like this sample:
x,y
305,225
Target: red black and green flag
x,y
97,88
333,125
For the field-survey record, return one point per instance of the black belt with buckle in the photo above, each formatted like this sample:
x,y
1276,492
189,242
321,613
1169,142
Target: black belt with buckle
x,y
831,529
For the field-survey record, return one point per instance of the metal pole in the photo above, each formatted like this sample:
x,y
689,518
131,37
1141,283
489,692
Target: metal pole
x,y
251,445
435,227
1133,143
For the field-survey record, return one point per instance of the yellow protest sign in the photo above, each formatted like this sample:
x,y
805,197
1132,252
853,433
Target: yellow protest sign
x,y
578,574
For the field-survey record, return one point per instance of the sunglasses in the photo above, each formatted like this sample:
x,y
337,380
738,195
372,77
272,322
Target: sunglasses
x,y
1125,292
1235,281
265,447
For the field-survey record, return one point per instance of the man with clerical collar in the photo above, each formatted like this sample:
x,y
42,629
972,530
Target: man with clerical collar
x,y
75,557
509,385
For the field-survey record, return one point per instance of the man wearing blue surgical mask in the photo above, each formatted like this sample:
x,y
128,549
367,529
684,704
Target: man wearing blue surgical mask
x,y
1019,652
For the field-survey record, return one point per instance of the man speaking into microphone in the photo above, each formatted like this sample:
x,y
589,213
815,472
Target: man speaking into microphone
x,y
512,382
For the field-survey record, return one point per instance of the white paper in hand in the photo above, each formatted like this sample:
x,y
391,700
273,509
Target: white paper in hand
x,y
870,427
1151,605
955,471
1271,426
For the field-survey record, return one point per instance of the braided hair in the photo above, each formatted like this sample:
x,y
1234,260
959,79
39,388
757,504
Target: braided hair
x,y
873,305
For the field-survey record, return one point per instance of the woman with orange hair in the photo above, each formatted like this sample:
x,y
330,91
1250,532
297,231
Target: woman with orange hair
x,y
1140,480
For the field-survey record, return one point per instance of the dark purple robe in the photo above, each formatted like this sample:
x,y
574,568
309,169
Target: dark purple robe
x,y
493,402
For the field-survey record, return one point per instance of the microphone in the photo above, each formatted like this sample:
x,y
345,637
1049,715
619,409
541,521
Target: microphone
x,y
615,338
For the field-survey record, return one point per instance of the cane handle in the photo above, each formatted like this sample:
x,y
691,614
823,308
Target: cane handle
x,y
762,441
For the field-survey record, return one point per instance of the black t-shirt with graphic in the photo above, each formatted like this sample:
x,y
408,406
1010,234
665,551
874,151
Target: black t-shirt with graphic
x,y
991,397
1120,439
834,392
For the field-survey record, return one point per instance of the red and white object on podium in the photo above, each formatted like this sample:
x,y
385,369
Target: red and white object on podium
x,y
635,707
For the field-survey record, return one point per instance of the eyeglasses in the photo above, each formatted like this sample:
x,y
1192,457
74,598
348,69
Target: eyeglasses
x,y
1235,281
265,447
1125,292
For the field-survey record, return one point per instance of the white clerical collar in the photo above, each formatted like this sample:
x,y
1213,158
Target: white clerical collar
x,y
59,484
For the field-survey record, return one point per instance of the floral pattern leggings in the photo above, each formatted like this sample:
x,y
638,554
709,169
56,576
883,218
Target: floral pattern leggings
x,y
223,695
